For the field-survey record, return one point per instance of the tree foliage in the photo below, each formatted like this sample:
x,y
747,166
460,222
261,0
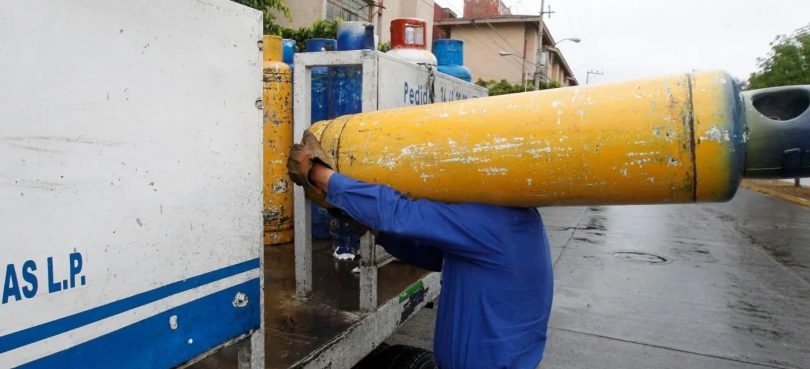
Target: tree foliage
x,y
267,6
503,87
788,62
319,29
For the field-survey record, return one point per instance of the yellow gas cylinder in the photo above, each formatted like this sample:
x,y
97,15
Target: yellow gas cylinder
x,y
675,139
277,139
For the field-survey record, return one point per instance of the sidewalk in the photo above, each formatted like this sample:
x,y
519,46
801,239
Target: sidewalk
x,y
780,189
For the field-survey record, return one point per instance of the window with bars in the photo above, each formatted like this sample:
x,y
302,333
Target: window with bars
x,y
348,10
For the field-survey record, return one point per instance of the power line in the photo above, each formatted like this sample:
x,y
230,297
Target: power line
x,y
507,48
450,6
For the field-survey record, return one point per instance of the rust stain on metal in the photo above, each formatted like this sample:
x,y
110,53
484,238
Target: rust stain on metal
x,y
277,139
281,186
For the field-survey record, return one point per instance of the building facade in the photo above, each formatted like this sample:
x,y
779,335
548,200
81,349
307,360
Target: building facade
x,y
500,46
485,8
497,44
379,12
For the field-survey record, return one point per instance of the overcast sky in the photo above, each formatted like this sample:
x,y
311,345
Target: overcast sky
x,y
630,39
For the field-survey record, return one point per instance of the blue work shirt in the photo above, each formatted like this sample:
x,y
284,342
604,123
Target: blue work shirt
x,y
497,281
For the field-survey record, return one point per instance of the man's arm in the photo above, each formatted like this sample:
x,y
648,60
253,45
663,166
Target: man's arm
x,y
320,175
460,229
412,252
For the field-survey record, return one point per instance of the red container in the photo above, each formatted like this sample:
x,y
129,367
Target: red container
x,y
409,33
409,41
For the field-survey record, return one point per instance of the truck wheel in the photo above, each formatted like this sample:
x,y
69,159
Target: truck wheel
x,y
407,357
398,357
372,360
414,358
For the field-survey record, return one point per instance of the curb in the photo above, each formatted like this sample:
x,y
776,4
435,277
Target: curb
x,y
780,195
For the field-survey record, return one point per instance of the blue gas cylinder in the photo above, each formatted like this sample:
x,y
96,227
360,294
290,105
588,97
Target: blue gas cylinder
x,y
346,81
450,56
346,97
320,79
345,241
321,222
319,111
289,49
355,35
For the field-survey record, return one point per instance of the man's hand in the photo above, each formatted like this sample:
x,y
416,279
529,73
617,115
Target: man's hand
x,y
300,162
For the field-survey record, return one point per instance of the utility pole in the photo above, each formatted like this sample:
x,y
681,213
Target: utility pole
x,y
539,73
589,72
379,19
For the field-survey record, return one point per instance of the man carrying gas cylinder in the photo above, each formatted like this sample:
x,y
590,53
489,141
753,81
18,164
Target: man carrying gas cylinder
x,y
497,281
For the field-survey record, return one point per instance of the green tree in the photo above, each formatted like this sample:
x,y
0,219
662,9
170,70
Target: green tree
x,y
503,87
788,62
319,29
267,6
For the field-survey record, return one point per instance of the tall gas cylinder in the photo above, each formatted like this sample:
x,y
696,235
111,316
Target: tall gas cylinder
x,y
277,139
319,111
450,56
346,97
346,81
676,139
409,41
320,78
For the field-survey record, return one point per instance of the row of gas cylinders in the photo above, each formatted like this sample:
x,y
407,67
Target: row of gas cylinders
x,y
408,42
335,91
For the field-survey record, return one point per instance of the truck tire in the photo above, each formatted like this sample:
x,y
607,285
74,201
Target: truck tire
x,y
414,358
398,357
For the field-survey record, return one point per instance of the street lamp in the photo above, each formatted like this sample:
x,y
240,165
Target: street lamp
x,y
572,39
556,50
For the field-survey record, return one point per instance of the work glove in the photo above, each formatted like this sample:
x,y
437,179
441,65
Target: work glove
x,y
299,163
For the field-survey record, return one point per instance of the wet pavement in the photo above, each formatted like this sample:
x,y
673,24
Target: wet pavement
x,y
675,286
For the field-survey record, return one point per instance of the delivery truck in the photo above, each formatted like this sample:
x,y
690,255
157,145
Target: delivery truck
x,y
132,211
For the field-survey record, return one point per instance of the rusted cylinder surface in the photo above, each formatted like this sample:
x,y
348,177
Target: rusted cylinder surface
x,y
277,101
675,139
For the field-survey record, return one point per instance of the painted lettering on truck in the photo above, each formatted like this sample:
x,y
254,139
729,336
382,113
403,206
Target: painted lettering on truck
x,y
416,96
449,94
420,94
28,279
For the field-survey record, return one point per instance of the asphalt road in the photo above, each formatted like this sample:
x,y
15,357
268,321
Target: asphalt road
x,y
674,286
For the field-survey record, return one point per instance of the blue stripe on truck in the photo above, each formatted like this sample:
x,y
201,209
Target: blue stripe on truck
x,y
151,343
68,323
